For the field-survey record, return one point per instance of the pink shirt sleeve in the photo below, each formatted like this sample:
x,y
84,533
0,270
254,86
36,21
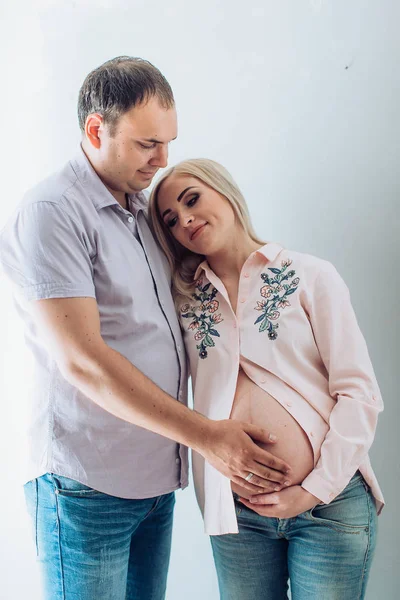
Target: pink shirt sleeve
x,y
352,384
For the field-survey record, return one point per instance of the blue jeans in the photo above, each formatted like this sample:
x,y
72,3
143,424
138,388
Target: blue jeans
x,y
93,546
326,552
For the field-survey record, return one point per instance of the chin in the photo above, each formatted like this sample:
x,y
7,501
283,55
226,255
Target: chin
x,y
134,188
212,249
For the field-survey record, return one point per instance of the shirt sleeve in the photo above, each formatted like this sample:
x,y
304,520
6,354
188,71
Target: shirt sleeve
x,y
352,384
44,252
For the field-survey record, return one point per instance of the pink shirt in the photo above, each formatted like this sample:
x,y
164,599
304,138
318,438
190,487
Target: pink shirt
x,y
296,336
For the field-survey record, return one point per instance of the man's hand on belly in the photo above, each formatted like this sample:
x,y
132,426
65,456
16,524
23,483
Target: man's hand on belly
x,y
286,504
229,447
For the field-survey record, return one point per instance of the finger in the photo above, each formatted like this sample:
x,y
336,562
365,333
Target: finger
x,y
250,487
263,510
264,499
266,474
267,485
260,434
269,460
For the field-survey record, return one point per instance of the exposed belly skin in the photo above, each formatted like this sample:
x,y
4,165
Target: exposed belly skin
x,y
254,405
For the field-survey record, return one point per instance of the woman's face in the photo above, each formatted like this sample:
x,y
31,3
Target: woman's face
x,y
198,217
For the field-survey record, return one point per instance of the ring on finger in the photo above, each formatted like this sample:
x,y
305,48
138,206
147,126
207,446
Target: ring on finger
x,y
249,476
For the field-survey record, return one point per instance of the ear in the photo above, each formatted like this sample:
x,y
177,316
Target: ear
x,y
94,127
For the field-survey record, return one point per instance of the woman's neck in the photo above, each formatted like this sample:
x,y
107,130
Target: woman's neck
x,y
228,262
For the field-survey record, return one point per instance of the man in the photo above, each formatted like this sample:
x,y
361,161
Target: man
x,y
110,422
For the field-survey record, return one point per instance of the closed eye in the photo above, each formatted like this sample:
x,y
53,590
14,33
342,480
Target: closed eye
x,y
147,147
192,200
172,222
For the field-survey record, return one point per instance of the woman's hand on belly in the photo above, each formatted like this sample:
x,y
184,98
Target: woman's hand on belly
x,y
286,504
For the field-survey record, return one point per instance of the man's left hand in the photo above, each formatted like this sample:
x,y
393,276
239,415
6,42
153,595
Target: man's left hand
x,y
285,504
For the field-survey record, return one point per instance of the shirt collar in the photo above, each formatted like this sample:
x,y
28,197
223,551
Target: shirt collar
x,y
203,266
270,251
95,188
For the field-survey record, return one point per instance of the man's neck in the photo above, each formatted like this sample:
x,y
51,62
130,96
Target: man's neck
x,y
120,197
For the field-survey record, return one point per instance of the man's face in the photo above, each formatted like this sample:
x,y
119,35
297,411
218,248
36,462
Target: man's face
x,y
128,159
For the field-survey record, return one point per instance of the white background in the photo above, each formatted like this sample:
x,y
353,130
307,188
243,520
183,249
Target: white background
x,y
299,100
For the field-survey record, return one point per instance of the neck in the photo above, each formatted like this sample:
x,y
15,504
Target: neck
x,y
228,262
119,196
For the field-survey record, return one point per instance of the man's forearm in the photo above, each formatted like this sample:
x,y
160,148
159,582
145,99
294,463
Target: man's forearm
x,y
71,330
115,384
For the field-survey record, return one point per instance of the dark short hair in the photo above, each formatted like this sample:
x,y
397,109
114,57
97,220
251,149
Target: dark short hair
x,y
120,84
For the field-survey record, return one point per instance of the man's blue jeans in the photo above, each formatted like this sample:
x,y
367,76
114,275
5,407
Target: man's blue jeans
x,y
93,546
326,551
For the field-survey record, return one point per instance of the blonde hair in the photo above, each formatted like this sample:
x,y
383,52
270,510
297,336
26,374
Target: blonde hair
x,y
184,262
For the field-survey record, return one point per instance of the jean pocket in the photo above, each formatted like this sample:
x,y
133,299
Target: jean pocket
x,y
64,486
349,512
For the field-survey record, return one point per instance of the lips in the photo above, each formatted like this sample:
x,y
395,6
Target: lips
x,y
197,231
147,174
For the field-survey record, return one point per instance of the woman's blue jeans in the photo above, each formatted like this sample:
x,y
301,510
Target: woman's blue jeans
x,y
93,546
326,552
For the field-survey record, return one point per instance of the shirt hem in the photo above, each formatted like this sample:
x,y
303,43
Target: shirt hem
x,y
139,496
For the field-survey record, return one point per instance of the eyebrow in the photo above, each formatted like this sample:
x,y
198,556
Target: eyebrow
x,y
154,141
179,198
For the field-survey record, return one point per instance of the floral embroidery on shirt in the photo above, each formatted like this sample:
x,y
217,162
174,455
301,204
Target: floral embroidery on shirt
x,y
204,323
273,298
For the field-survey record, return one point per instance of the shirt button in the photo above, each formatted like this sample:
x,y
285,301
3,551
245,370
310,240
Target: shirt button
x,y
242,300
263,381
234,326
332,495
288,404
311,434
130,219
246,275
374,398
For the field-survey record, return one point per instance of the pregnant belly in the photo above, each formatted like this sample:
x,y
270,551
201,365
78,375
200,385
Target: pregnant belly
x,y
254,405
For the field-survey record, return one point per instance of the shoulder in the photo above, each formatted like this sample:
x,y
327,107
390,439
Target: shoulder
x,y
311,266
53,189
59,196
312,274
318,278
46,210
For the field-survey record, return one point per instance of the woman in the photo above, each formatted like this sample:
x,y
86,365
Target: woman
x,y
272,339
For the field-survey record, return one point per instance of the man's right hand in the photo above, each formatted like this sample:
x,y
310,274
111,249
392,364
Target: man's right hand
x,y
229,447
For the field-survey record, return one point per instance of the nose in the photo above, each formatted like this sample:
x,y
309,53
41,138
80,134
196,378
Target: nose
x,y
160,158
187,220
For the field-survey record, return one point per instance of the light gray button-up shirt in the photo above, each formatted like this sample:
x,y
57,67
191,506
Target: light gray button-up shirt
x,y
71,238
